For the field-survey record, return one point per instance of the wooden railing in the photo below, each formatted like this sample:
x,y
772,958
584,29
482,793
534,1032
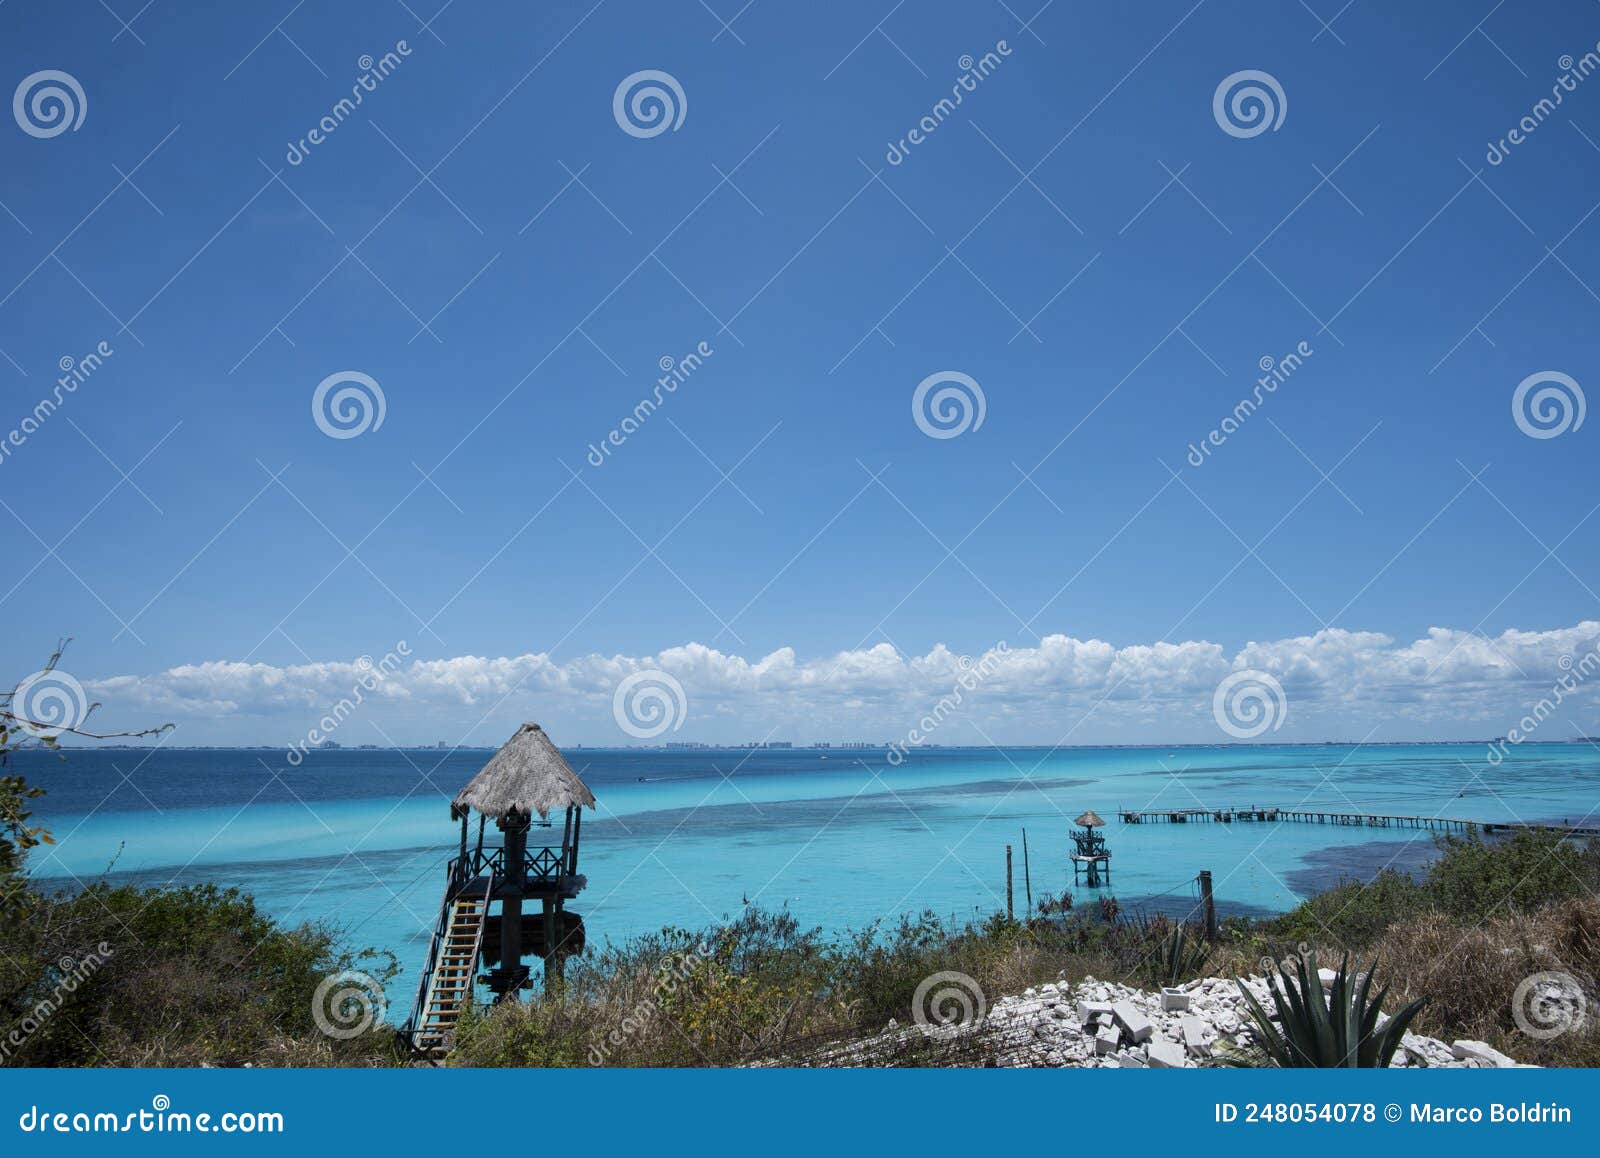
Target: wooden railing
x,y
543,865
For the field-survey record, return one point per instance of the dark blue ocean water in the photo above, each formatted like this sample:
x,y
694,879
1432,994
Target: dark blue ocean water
x,y
360,837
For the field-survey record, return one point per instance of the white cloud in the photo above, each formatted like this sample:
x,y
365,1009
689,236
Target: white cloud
x,y
1339,683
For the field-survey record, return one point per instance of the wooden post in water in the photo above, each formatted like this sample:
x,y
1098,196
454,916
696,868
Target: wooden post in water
x,y
1208,904
1010,911
1027,877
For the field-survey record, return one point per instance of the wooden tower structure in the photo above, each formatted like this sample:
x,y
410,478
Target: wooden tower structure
x,y
506,902
1091,859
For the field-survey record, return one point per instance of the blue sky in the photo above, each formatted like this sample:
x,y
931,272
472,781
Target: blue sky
x,y
1080,236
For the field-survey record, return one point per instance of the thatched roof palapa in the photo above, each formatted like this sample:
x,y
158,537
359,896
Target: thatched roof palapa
x,y
528,775
1090,819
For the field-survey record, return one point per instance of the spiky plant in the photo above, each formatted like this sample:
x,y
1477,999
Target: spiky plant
x,y
1338,1031
1177,957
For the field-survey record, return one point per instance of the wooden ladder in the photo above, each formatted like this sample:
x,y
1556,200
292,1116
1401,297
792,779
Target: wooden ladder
x,y
451,983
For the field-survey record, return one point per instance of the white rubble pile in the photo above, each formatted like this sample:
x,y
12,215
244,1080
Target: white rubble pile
x,y
1100,1023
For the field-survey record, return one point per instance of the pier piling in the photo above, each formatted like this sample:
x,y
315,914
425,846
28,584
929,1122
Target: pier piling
x,y
1011,913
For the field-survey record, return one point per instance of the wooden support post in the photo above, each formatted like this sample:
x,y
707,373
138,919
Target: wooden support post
x,y
552,959
1208,904
1010,910
510,946
515,845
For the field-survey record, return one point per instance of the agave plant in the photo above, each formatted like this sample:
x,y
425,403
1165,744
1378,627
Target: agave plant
x,y
1179,956
1340,1030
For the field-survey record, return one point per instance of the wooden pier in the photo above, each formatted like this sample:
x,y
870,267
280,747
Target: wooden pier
x,y
1297,815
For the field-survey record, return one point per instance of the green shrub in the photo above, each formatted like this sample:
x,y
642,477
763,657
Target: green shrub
x,y
879,970
1351,914
742,991
176,976
1474,879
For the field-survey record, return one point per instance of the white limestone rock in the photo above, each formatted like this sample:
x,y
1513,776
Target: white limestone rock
x,y
1103,1024
1481,1052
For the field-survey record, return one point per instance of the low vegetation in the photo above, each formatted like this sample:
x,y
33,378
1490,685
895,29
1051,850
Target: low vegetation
x,y
120,976
1486,916
1450,950
167,977
763,988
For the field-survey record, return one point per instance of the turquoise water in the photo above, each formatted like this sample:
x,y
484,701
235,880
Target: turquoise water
x,y
841,838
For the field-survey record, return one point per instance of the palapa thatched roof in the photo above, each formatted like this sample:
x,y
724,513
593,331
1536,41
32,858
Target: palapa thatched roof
x,y
528,775
1090,819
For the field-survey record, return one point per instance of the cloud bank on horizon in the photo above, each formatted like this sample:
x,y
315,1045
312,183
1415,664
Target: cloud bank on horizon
x,y
1336,684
